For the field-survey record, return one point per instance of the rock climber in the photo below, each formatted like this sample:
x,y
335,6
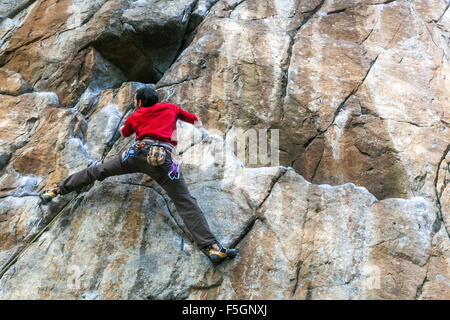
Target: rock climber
x,y
155,127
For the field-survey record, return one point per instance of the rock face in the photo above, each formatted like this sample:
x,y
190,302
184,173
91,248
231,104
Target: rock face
x,y
356,93
340,79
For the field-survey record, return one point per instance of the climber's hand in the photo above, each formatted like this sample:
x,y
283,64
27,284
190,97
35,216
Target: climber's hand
x,y
198,124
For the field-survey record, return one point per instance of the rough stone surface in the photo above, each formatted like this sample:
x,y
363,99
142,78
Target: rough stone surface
x,y
358,89
52,47
12,83
358,206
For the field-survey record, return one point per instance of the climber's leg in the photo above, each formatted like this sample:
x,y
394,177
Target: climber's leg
x,y
189,210
76,181
195,221
187,206
86,177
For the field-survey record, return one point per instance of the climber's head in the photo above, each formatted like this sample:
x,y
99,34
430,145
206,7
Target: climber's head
x,y
145,97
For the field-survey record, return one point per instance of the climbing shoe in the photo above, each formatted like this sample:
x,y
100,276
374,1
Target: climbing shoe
x,y
217,256
48,195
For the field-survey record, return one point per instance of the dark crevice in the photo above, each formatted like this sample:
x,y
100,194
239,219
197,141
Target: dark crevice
x,y
256,217
425,279
185,79
382,3
420,288
244,233
186,20
418,183
300,260
398,237
210,4
88,18
358,6
365,111
443,13
309,292
368,35
145,55
233,6
316,167
297,276
285,79
190,29
341,105
309,14
338,11
274,181
363,152
285,67
438,193
309,141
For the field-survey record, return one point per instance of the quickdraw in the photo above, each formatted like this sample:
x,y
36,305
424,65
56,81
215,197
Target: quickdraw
x,y
130,153
174,173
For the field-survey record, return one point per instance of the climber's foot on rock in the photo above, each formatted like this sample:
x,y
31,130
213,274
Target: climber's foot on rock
x,y
48,195
217,253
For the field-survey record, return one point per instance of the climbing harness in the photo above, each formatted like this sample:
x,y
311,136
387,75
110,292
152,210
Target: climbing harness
x,y
155,157
135,148
130,153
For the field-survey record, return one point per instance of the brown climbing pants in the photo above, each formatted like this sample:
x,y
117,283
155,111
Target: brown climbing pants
x,y
177,190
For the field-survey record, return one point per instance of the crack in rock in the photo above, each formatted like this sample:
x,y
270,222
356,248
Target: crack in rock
x,y
246,231
341,105
443,13
285,68
257,216
274,181
438,194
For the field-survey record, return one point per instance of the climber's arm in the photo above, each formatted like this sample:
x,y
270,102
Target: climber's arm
x,y
127,129
187,116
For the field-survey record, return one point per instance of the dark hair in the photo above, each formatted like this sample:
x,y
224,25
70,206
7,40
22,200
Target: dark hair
x,y
148,96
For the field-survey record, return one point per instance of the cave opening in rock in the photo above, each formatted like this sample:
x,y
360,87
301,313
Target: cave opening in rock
x,y
142,56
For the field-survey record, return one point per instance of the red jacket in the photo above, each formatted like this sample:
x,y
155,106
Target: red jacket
x,y
157,122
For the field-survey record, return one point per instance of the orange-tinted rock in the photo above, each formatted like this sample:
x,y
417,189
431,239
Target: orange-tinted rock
x,y
357,89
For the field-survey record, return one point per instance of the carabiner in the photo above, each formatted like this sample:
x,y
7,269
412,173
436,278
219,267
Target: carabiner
x,y
174,173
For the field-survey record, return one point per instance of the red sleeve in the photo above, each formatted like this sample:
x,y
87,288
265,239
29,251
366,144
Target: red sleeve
x,y
186,116
128,129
